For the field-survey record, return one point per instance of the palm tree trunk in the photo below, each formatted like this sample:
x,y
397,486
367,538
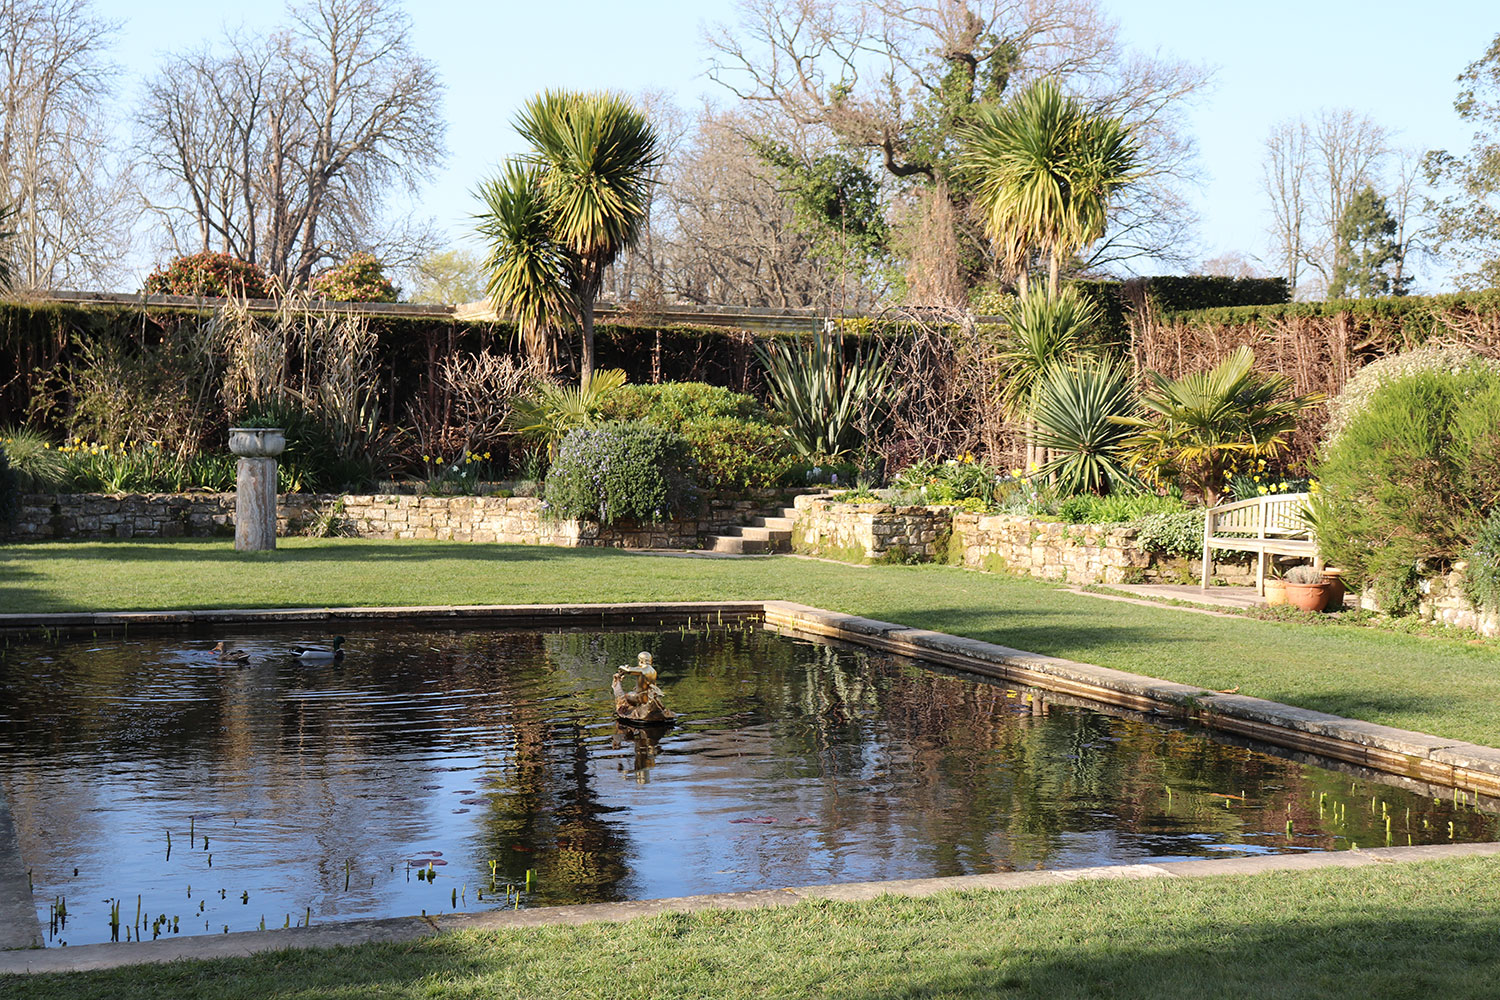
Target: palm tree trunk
x,y
586,361
1054,267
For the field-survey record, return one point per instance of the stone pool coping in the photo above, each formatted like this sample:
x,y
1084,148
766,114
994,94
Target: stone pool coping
x,y
82,958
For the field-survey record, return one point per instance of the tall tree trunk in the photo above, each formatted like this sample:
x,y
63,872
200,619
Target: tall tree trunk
x,y
586,360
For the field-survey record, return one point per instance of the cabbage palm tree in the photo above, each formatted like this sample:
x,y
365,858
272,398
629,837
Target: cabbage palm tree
x,y
1198,425
1044,168
531,274
595,154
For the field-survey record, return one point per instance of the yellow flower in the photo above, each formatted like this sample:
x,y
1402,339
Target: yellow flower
x,y
486,456
426,459
1015,473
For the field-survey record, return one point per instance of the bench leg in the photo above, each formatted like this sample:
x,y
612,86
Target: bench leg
x,y
1208,565
1260,573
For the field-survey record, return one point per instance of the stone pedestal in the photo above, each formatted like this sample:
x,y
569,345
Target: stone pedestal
x,y
255,486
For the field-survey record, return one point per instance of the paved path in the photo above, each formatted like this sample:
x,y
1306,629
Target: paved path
x,y
108,956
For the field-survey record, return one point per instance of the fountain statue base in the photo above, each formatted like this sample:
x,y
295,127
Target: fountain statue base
x,y
643,705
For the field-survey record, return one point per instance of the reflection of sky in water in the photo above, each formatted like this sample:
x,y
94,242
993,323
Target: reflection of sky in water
x,y
792,764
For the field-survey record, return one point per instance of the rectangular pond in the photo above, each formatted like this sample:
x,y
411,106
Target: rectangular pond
x,y
433,771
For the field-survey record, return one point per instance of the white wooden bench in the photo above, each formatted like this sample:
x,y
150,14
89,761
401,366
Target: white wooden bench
x,y
1269,525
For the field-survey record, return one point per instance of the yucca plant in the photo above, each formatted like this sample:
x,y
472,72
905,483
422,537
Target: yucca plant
x,y
1075,407
826,396
1198,425
1044,330
553,410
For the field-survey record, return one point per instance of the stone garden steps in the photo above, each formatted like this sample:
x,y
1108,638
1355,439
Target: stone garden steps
x,y
762,535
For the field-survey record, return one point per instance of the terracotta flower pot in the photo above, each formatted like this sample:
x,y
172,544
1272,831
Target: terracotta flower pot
x,y
1308,596
1275,593
1336,590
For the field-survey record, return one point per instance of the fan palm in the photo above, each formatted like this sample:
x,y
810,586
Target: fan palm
x,y
595,155
553,410
1198,425
1044,168
531,274
1074,407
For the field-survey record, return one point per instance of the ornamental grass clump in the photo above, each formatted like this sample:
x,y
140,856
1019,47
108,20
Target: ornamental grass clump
x,y
621,471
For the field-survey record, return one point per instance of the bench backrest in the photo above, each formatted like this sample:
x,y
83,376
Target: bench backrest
x,y
1275,516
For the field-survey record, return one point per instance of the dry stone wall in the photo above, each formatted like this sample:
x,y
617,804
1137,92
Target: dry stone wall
x,y
1047,550
870,532
515,520
1443,600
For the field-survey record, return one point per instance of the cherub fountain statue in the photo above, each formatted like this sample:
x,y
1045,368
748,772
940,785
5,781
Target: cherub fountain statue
x,y
643,706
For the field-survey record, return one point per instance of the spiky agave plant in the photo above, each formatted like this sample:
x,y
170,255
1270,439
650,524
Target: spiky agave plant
x,y
1074,407
824,394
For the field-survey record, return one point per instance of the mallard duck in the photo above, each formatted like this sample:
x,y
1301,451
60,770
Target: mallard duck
x,y
230,655
321,654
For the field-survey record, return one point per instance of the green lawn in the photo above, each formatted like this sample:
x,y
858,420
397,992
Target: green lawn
x,y
1419,930
1443,686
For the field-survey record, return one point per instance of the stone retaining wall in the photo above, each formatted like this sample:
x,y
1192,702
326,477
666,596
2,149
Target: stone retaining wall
x,y
1048,550
516,520
871,532
1443,600
1078,553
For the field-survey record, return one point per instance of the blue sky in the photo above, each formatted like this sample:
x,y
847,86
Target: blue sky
x,y
1273,59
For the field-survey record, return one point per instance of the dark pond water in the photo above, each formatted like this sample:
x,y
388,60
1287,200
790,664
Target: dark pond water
x,y
335,790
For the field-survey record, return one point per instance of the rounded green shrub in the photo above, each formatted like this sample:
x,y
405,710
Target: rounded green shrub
x,y
621,471
1358,391
361,278
1412,477
209,273
729,435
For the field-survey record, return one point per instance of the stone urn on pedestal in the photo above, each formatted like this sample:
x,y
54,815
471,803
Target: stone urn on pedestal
x,y
255,485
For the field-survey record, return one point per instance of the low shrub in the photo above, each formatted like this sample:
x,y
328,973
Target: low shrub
x,y
673,403
730,436
1415,474
1176,533
619,471
34,463
931,481
1482,574
733,454
1086,508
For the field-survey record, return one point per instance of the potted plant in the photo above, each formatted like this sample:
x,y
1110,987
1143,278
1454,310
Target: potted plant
x,y
1305,589
1275,588
1336,589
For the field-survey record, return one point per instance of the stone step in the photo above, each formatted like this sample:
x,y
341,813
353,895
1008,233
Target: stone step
x,y
739,545
777,523
760,534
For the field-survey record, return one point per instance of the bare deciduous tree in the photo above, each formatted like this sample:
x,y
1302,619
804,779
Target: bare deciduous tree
x,y
895,77
1311,173
281,150
65,191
